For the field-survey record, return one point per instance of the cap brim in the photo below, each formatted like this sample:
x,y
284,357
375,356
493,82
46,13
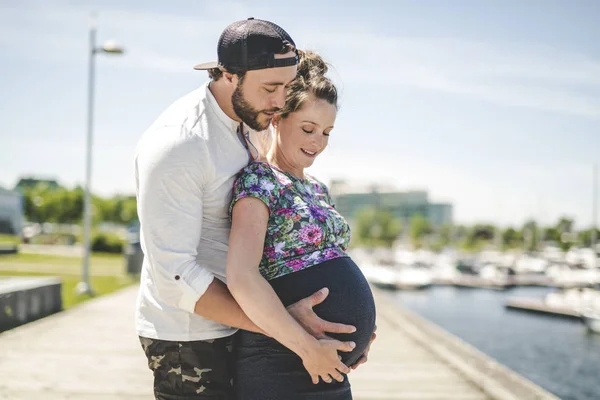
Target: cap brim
x,y
207,65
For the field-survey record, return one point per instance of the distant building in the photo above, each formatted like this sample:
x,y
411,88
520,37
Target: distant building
x,y
440,213
29,182
350,198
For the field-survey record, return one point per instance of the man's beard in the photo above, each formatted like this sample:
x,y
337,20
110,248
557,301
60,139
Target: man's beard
x,y
246,112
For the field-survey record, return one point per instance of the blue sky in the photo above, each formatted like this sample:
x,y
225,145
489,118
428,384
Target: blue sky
x,y
493,106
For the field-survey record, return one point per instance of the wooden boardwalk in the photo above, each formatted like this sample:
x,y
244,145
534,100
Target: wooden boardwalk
x,y
400,368
91,352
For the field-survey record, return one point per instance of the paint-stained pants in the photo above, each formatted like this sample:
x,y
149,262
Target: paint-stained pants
x,y
191,370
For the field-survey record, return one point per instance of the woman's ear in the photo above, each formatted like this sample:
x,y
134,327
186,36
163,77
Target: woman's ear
x,y
275,120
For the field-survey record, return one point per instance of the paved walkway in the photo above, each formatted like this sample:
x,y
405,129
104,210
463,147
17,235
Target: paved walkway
x,y
91,352
400,368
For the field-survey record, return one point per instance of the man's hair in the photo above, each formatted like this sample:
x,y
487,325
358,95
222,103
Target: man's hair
x,y
216,73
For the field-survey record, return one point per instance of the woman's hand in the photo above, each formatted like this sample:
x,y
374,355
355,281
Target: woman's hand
x,y
365,356
321,360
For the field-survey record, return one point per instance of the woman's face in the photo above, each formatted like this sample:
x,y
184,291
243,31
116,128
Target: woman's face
x,y
304,134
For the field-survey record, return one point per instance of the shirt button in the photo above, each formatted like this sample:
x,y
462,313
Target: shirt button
x,y
177,277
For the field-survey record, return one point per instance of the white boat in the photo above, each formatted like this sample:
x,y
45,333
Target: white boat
x,y
379,275
410,277
591,321
397,277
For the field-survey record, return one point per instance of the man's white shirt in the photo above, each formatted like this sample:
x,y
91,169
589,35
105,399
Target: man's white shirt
x,y
185,166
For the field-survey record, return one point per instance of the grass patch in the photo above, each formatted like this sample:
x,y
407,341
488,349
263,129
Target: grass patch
x,y
55,259
107,272
100,264
10,239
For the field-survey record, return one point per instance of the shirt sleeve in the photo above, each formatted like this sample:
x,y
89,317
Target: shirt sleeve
x,y
170,180
256,180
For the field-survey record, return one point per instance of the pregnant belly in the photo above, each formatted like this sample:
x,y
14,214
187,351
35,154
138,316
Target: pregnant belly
x,y
350,300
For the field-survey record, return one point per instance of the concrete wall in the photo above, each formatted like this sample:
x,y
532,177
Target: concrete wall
x,y
24,300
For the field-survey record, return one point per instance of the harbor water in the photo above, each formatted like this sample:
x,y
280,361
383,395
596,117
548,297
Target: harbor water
x,y
557,354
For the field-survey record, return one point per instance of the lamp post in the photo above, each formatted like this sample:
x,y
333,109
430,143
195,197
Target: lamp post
x,y
109,47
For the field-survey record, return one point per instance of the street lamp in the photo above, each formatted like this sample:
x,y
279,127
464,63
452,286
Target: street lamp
x,y
109,47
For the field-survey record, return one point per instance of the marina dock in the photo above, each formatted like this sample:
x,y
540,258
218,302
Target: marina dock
x,y
540,307
91,352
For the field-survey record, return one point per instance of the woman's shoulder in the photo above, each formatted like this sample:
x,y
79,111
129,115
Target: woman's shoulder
x,y
262,169
259,168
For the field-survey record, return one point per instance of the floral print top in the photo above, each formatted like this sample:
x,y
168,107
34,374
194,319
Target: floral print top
x,y
304,228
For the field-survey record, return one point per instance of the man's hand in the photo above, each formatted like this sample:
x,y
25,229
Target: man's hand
x,y
302,311
365,356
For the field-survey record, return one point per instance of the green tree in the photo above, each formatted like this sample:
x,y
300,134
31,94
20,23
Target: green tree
x,y
441,238
126,209
45,203
585,237
531,236
101,209
565,225
29,206
551,234
36,203
511,238
377,227
445,235
478,236
419,229
74,213
564,228
460,233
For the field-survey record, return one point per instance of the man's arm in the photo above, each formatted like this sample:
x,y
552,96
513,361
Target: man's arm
x,y
217,304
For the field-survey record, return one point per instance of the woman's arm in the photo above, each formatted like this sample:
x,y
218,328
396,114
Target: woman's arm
x,y
260,302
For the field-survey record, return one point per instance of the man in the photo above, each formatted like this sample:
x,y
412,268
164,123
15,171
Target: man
x,y
185,166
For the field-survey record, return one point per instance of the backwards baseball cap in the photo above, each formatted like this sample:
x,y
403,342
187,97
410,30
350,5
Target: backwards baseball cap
x,y
251,44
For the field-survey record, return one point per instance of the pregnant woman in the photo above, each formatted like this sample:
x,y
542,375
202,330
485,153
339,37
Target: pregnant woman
x,y
288,241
